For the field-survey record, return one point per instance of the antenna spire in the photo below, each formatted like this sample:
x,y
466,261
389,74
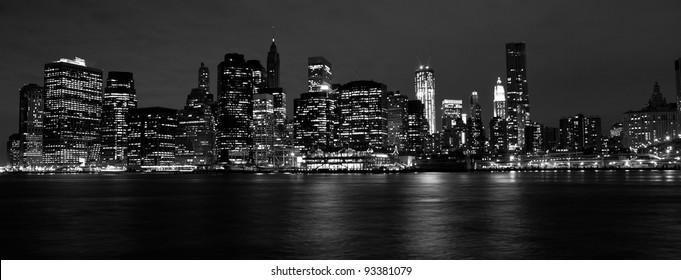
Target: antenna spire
x,y
272,33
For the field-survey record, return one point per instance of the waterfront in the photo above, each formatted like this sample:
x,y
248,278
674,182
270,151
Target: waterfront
x,y
478,215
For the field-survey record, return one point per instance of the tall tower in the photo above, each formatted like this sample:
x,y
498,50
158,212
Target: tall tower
x,y
234,109
31,115
273,65
319,74
677,67
477,130
517,96
204,80
499,100
73,112
119,98
424,85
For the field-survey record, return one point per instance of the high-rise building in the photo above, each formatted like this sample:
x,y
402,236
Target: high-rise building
x,y
453,127
264,128
31,124
656,122
497,136
363,114
417,127
259,75
314,121
234,109
152,136
424,86
396,121
273,66
476,127
318,74
195,139
517,96
119,98
550,138
14,149
581,133
73,112
499,100
534,138
204,79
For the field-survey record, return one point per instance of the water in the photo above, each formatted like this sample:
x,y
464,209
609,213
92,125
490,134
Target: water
x,y
505,215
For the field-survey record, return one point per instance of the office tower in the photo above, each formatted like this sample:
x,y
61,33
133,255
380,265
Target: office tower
x,y
318,74
119,98
234,109
424,85
204,80
417,127
581,133
313,121
498,139
259,75
476,127
152,136
195,139
264,128
677,67
279,106
550,138
363,114
73,112
453,128
656,122
396,121
499,100
517,96
31,124
273,66
14,149
534,138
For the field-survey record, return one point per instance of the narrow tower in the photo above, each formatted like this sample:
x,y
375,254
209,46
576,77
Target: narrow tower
x,y
424,85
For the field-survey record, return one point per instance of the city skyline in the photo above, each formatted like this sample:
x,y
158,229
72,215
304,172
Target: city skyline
x,y
174,77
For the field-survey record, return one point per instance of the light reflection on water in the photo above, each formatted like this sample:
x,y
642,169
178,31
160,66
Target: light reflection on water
x,y
499,215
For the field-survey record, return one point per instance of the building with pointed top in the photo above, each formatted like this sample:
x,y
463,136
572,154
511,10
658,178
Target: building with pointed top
x,y
499,100
273,66
657,121
424,86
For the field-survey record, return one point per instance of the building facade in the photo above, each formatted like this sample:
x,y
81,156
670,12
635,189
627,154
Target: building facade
x,y
363,115
319,76
73,113
581,133
31,124
453,127
234,110
476,128
273,66
119,98
314,121
396,121
424,86
152,136
499,100
417,128
195,138
657,121
517,96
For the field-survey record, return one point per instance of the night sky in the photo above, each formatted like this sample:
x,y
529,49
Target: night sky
x,y
583,56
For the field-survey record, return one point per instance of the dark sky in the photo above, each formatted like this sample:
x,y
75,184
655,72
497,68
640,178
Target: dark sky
x,y
583,56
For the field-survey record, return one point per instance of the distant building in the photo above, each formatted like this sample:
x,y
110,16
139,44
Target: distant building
x,y
319,74
204,79
424,86
581,133
273,66
657,121
550,138
517,95
534,138
264,128
476,127
363,115
396,120
313,121
259,75
14,149
73,113
31,124
417,127
497,137
499,100
152,136
453,127
234,110
119,98
195,138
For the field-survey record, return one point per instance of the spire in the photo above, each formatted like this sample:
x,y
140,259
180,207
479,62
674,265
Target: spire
x,y
272,33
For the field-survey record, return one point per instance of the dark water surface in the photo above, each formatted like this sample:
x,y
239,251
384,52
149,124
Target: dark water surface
x,y
507,215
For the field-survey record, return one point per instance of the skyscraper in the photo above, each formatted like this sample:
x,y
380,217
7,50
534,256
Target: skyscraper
x,y
234,109
363,114
14,149
152,136
396,120
258,74
499,100
204,79
424,86
119,98
581,133
417,127
517,96
195,138
453,127
31,124
476,127
273,66
313,121
264,128
73,112
319,74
